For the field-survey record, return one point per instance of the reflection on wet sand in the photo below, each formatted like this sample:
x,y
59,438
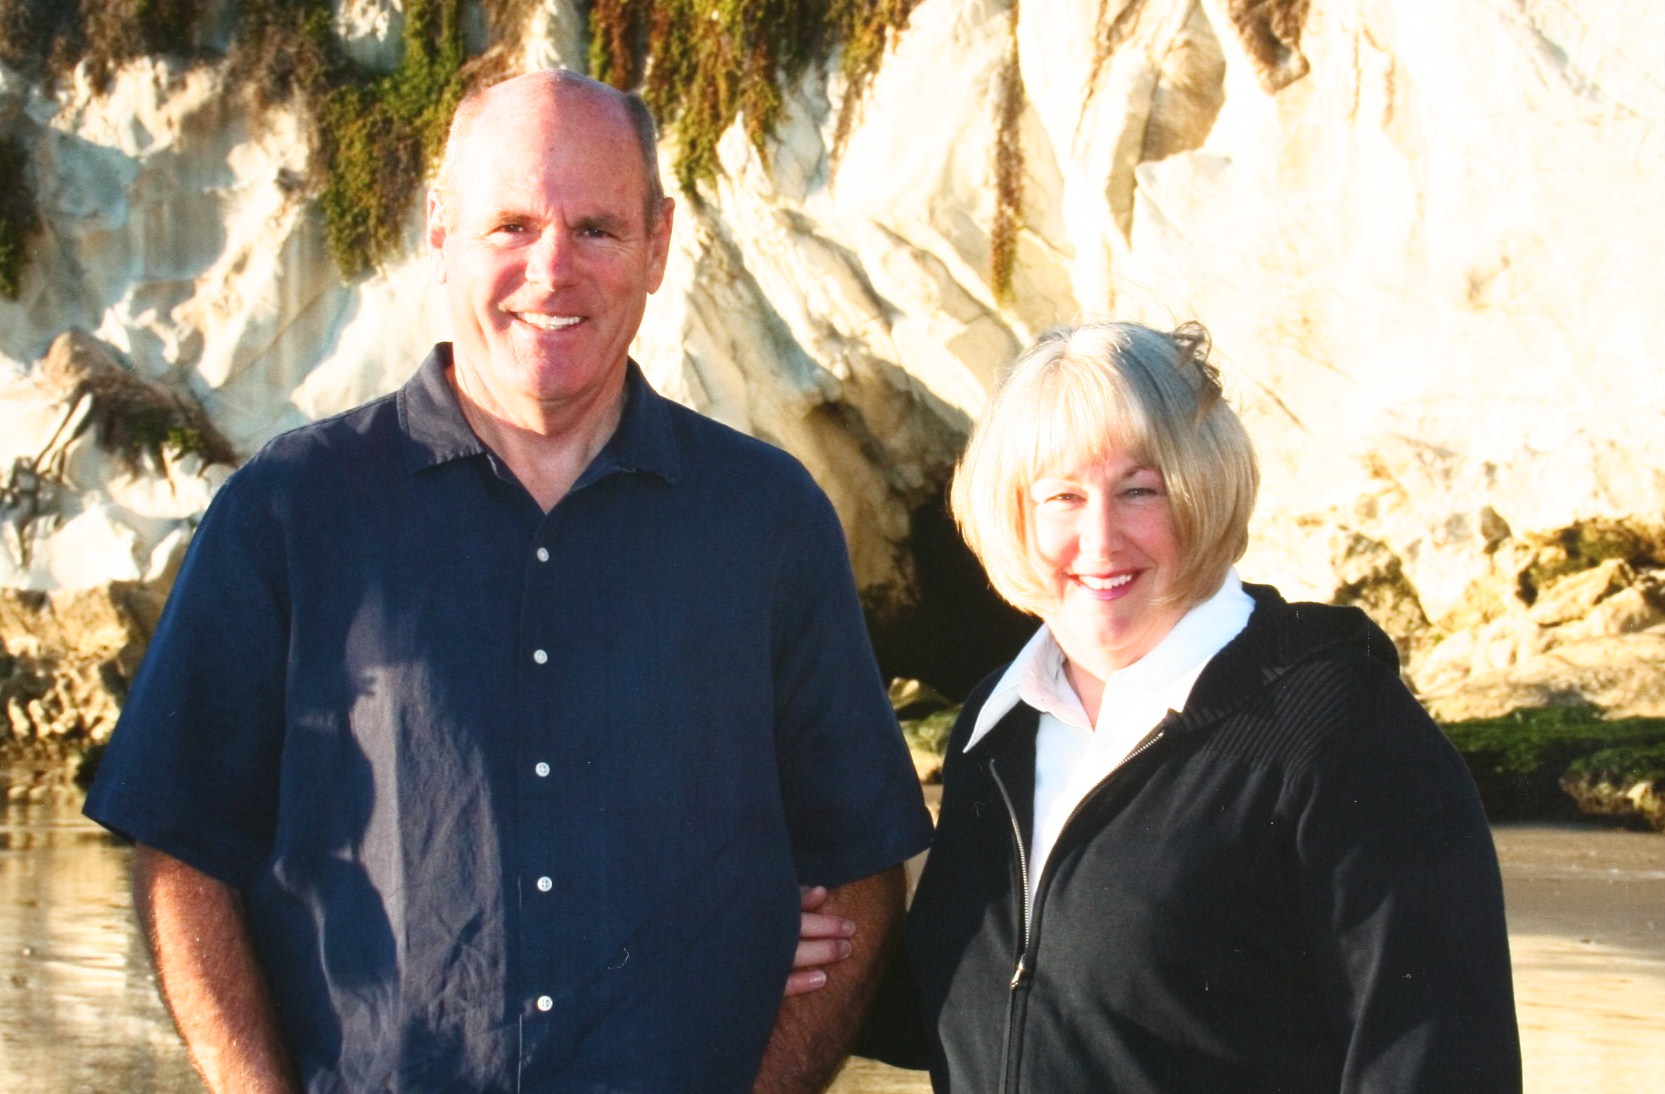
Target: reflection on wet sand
x,y
1587,933
78,1005
78,1009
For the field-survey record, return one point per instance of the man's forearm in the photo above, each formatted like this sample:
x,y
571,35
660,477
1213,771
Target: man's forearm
x,y
813,1032
211,980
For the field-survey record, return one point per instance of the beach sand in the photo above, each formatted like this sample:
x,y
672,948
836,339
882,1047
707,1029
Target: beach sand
x,y
1591,1017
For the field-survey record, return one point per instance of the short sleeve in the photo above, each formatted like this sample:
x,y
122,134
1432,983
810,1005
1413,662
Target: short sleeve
x,y
192,767
853,802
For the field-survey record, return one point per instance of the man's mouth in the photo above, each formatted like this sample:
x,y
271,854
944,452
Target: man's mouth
x,y
548,322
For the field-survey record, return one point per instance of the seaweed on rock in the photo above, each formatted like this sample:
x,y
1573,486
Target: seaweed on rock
x,y
703,64
1530,765
19,219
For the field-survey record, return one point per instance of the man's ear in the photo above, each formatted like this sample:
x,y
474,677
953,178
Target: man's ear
x,y
659,244
435,233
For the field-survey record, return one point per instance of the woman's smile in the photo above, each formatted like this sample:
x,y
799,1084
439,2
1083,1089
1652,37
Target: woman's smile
x,y
1103,540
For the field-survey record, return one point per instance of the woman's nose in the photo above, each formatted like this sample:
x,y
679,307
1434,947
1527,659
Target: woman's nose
x,y
1099,531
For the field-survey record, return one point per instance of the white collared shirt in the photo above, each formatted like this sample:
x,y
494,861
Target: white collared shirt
x,y
1072,756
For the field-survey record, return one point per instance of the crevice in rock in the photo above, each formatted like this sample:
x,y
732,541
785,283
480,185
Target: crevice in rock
x,y
958,628
1372,577
1584,546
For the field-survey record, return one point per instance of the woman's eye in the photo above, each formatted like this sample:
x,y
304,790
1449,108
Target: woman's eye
x,y
1145,492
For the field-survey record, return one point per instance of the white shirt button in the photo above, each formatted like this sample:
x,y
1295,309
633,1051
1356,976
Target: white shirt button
x,y
542,769
540,656
544,885
545,1003
543,554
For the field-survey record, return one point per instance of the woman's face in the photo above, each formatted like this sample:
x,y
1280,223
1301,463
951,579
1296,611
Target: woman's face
x,y
1103,541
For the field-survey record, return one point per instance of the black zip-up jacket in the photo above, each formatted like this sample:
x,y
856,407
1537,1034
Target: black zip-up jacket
x,y
1290,886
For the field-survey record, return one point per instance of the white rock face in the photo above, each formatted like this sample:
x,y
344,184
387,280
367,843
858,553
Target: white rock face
x,y
1425,237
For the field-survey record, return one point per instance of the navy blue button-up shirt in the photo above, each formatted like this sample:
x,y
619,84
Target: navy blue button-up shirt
x,y
517,801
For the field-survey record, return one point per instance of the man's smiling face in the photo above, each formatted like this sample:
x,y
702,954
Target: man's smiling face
x,y
544,249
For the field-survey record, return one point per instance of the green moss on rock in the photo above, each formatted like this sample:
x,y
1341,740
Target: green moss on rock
x,y
1633,763
1008,170
1625,785
380,137
46,39
1520,760
285,52
703,64
19,220
930,733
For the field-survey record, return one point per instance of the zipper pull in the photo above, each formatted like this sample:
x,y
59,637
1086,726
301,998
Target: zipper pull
x,y
1019,973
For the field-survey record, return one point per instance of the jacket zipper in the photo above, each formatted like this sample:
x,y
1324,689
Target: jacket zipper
x,y
1138,750
1019,986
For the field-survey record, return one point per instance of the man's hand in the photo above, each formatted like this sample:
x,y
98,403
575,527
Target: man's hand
x,y
823,940
815,1029
211,980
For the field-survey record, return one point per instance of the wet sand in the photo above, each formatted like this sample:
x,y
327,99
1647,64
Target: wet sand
x,y
78,1004
1587,934
1597,886
78,1010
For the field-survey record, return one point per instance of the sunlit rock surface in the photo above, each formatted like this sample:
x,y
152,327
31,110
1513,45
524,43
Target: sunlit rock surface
x,y
1424,236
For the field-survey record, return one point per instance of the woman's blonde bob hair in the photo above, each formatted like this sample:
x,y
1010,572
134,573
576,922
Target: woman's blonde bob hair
x,y
1066,402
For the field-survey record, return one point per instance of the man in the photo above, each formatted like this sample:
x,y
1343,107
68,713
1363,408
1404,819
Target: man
x,y
493,726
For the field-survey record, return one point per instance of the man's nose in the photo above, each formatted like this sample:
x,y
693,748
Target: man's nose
x,y
549,259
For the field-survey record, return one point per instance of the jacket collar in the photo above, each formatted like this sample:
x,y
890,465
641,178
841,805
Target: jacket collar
x,y
1280,637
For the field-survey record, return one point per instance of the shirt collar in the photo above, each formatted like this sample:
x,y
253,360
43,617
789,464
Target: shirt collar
x,y
436,432
644,440
1036,674
432,422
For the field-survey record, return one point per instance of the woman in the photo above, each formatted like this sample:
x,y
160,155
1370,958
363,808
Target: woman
x,y
1193,838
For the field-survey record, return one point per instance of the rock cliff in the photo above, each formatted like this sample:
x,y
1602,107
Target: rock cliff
x,y
1425,238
